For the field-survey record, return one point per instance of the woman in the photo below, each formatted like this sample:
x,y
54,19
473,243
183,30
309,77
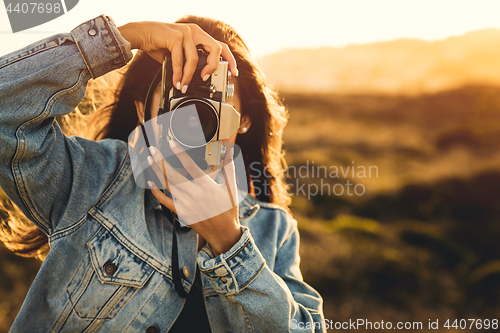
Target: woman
x,y
112,260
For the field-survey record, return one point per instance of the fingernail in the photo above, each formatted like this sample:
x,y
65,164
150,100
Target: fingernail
x,y
178,86
150,160
152,150
150,184
237,72
232,152
184,89
172,144
206,77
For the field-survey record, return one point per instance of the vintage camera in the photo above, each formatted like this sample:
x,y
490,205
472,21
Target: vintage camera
x,y
199,119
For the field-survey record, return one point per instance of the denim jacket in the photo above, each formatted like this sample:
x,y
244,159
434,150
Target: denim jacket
x,y
109,267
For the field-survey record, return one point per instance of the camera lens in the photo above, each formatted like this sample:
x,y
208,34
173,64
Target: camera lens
x,y
194,123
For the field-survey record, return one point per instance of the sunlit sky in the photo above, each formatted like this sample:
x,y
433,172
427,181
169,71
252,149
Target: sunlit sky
x,y
268,25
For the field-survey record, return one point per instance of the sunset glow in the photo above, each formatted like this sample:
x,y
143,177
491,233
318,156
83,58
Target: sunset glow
x,y
269,26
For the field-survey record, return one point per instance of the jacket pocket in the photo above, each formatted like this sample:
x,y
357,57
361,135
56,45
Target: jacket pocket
x,y
106,278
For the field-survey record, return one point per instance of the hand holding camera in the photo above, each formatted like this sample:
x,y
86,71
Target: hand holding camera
x,y
181,40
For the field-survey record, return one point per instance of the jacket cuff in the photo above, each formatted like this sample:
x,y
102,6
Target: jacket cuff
x,y
101,45
231,272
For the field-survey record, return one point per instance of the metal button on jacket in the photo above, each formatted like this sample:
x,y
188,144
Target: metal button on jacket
x,y
109,268
185,272
92,32
152,329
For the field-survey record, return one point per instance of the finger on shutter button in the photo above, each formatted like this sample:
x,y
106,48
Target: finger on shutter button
x,y
185,272
109,268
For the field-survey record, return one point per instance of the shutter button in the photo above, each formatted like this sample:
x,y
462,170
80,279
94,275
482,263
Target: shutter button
x,y
92,32
185,271
109,268
153,329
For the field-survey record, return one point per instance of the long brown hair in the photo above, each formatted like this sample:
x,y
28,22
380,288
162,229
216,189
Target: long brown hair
x,y
261,145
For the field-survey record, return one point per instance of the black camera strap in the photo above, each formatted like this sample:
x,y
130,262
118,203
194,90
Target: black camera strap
x,y
176,276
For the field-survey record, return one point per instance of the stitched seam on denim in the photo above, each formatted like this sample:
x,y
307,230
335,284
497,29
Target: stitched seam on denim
x,y
120,281
255,208
210,292
122,170
91,328
287,237
253,278
267,205
139,253
212,269
114,299
146,275
67,231
18,177
142,307
236,286
82,286
127,296
30,53
114,41
120,236
206,252
247,320
85,281
113,280
239,250
80,290
85,59
63,316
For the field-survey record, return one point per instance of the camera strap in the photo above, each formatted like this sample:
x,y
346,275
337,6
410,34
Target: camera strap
x,y
176,276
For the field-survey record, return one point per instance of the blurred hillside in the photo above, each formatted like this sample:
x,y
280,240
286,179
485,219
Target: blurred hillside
x,y
421,242
408,66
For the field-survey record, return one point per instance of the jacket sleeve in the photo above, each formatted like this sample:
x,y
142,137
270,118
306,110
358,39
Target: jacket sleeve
x,y
257,299
55,179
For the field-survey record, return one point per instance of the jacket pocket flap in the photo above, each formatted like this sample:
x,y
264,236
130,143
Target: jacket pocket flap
x,y
115,263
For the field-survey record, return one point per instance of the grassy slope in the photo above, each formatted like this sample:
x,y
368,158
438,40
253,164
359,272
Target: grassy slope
x,y
421,242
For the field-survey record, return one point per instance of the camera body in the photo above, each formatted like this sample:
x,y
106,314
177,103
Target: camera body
x,y
201,118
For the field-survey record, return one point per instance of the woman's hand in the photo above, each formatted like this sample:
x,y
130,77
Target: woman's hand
x,y
180,40
210,209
